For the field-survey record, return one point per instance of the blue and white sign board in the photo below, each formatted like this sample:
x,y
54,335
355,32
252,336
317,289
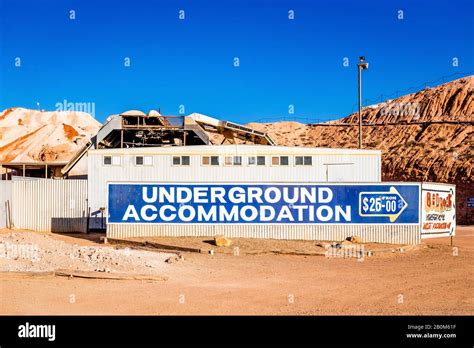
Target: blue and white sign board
x,y
258,203
470,202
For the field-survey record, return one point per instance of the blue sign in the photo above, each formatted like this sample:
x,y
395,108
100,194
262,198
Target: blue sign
x,y
263,203
390,204
470,202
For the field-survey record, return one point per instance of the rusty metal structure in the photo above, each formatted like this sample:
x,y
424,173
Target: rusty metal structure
x,y
136,129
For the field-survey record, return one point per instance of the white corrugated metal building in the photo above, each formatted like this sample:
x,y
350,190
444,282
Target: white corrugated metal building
x,y
232,164
227,163
139,152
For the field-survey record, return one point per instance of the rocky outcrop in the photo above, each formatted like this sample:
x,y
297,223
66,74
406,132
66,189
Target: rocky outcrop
x,y
452,101
33,135
424,136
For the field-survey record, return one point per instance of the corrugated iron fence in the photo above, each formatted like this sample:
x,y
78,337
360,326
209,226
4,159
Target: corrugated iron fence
x,y
48,205
5,203
399,234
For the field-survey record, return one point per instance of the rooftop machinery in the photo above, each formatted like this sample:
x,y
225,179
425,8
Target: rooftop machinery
x,y
136,129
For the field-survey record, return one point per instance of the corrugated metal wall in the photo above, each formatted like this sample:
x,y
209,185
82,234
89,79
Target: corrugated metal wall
x,y
393,234
364,167
5,195
61,206
50,205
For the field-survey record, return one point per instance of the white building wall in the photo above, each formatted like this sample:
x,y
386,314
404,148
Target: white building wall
x,y
344,165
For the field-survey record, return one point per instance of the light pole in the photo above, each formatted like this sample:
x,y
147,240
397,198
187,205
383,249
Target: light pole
x,y
363,65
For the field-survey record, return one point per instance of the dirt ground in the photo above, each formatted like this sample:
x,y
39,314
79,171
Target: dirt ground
x,y
433,278
22,251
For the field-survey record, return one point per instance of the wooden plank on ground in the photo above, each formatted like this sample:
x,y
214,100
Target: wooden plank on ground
x,y
104,275
29,274
151,245
85,274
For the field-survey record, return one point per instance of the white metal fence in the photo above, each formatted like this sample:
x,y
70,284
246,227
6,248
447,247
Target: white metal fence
x,y
62,206
399,234
5,203
47,205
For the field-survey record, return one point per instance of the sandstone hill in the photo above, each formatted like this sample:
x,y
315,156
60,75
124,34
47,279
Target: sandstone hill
x,y
32,135
424,136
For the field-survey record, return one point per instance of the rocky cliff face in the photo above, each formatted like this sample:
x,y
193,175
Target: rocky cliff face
x,y
452,101
32,135
425,136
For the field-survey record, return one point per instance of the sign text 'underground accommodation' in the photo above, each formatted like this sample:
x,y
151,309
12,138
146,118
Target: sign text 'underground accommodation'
x,y
262,203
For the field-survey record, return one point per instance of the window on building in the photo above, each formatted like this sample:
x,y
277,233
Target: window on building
x,y
237,161
181,160
214,160
280,161
210,160
143,160
112,160
256,160
116,160
303,160
107,160
233,160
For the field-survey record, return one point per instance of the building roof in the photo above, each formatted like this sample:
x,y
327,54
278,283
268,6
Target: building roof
x,y
30,165
233,149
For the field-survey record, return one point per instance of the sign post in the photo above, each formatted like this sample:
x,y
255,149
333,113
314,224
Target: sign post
x,y
438,210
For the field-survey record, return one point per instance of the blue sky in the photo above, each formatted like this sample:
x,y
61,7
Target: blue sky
x,y
190,62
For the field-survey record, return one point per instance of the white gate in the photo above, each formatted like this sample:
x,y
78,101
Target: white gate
x,y
50,205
